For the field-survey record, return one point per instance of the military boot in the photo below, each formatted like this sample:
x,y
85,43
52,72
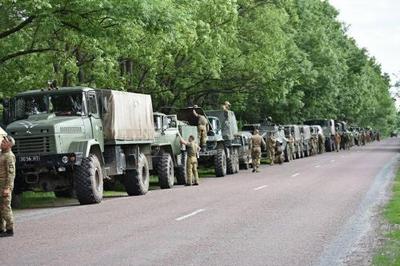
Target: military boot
x,y
7,233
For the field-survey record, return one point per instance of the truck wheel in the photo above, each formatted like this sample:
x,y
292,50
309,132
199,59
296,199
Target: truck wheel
x,y
287,154
136,182
220,163
237,163
66,193
88,179
16,200
181,170
165,170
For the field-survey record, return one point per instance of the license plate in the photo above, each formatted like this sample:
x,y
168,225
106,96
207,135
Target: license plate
x,y
34,158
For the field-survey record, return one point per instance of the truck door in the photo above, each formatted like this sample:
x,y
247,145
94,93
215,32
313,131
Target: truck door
x,y
96,123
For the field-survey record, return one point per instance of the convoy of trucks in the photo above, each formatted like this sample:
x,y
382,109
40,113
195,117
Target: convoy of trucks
x,y
72,140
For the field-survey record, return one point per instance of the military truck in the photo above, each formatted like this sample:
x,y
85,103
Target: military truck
x,y
267,128
243,138
72,139
168,155
294,130
328,127
221,151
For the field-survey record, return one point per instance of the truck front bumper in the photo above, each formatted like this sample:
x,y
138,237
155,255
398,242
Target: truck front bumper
x,y
65,160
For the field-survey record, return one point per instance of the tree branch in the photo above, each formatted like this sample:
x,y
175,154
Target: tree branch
x,y
24,52
16,28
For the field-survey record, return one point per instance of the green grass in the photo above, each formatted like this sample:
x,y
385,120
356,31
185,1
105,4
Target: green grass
x,y
389,254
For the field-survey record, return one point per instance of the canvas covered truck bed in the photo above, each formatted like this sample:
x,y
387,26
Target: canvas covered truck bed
x,y
228,123
127,116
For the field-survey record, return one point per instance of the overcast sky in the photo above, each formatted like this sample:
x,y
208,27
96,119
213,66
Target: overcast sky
x,y
375,25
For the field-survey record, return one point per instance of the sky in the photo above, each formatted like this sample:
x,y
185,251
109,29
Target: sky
x,y
375,25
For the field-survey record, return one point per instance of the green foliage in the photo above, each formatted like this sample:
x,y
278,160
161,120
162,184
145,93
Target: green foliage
x,y
289,59
389,254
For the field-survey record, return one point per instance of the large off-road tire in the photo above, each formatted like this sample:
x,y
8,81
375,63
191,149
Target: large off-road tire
x,y
136,182
181,172
220,163
233,164
66,193
306,153
88,180
165,170
237,162
16,200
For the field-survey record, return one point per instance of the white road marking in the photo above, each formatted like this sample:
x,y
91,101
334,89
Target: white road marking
x,y
189,215
258,188
332,161
296,174
317,166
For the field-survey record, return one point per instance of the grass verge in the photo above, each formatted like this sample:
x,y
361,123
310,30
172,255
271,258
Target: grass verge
x,y
389,254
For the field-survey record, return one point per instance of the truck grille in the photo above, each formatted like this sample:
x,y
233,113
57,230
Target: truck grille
x,y
32,145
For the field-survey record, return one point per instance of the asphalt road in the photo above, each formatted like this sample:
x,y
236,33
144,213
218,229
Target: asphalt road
x,y
307,212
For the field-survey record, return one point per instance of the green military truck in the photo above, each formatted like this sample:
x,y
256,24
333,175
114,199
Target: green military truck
x,y
243,139
221,150
168,155
329,130
294,130
70,140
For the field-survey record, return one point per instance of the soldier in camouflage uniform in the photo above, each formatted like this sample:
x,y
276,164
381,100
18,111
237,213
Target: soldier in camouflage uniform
x,y
226,106
337,141
202,127
192,149
321,143
256,143
7,176
291,146
271,143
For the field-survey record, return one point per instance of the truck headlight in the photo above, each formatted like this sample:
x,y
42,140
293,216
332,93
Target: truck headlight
x,y
65,159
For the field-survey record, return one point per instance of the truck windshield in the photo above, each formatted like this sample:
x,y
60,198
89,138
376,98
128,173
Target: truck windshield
x,y
60,104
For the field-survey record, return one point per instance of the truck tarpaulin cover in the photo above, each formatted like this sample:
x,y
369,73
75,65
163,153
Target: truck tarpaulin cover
x,y
128,116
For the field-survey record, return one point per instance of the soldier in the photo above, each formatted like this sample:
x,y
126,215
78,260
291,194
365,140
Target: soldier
x,y
7,175
337,141
291,146
271,142
321,143
202,127
256,143
226,106
192,149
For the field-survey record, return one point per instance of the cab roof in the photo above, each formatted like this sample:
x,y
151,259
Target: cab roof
x,y
59,90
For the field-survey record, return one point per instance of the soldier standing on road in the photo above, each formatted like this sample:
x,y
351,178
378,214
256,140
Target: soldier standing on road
x,y
321,143
256,143
202,127
7,176
291,146
337,141
271,142
191,168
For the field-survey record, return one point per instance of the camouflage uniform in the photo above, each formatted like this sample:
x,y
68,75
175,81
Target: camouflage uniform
x,y
291,147
321,143
271,142
256,143
191,166
337,141
202,128
7,176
